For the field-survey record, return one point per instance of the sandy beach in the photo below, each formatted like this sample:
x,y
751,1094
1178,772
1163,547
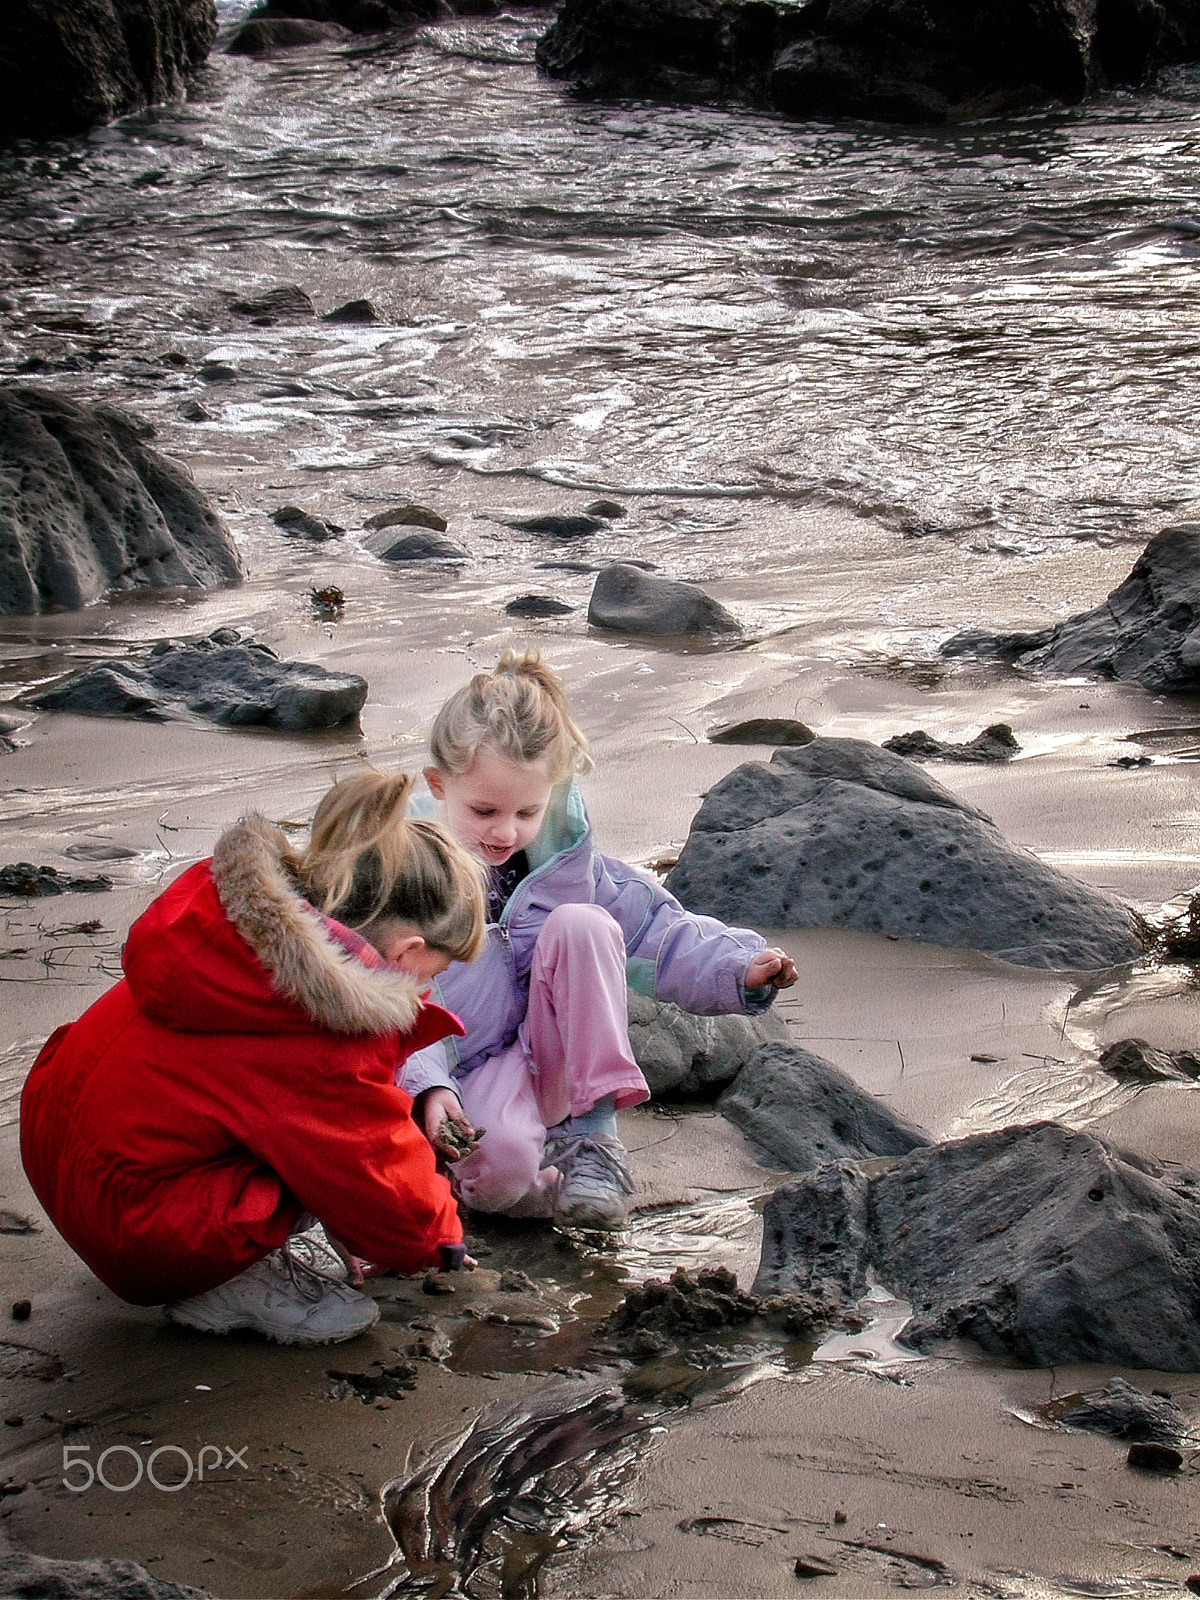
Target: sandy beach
x,y
941,1465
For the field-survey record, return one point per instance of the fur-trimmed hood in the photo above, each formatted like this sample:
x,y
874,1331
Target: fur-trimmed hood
x,y
187,960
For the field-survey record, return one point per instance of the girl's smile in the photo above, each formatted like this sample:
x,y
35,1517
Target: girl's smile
x,y
496,807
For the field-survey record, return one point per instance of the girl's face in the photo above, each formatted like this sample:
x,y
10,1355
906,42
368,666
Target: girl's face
x,y
495,808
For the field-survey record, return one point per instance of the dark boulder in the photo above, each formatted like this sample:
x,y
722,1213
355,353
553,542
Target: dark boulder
x,y
898,60
28,882
1147,631
841,834
353,312
625,599
219,679
86,505
683,1056
407,516
1123,1412
1038,1242
1144,1063
804,1111
537,605
763,730
66,65
286,301
262,36
300,524
997,743
425,546
559,524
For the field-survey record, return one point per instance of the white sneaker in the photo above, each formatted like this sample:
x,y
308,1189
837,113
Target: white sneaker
x,y
292,1296
595,1179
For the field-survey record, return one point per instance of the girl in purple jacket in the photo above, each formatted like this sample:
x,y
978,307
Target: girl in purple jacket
x,y
546,1061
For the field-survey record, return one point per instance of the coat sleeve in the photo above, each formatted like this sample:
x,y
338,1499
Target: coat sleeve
x,y
347,1147
425,1069
672,954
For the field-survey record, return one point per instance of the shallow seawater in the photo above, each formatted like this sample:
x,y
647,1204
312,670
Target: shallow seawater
x,y
983,333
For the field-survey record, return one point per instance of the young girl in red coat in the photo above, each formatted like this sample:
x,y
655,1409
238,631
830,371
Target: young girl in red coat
x,y
240,1080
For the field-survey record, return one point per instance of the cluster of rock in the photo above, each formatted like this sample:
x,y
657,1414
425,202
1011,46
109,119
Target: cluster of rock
x,y
898,60
1147,631
995,743
838,833
220,679
1037,1242
66,66
88,505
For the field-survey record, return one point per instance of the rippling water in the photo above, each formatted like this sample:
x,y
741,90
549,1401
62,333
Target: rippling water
x,y
988,332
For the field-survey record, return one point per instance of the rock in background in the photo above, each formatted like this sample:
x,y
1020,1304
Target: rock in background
x,y
66,65
86,505
1147,631
841,834
220,679
892,59
1037,1242
627,600
804,1111
690,1057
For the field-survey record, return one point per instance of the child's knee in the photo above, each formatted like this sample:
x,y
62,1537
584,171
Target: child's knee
x,y
581,924
499,1174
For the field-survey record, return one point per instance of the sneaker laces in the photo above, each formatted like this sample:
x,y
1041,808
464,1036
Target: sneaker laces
x,y
311,1266
590,1156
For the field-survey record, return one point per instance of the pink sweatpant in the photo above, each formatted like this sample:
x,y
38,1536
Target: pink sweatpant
x,y
572,1050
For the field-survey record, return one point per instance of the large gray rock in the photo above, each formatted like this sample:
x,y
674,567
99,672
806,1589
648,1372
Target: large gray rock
x,y
804,1111
1147,631
903,60
68,64
841,834
219,679
86,505
1037,1242
626,599
690,1057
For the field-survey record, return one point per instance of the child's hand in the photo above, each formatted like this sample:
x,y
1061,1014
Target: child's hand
x,y
446,1125
356,1268
774,967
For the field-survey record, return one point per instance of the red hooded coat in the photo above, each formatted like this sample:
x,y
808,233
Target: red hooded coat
x,y
240,1074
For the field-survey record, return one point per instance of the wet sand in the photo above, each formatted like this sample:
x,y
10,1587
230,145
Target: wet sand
x,y
931,1448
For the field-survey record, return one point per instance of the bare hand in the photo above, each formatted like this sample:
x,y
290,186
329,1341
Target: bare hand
x,y
446,1125
774,967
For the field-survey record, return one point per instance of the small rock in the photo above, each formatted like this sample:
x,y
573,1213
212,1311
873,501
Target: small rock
x,y
1154,1458
1126,1413
174,358
812,1567
763,730
330,599
514,1281
287,301
218,372
14,1421
609,510
429,546
558,524
626,599
409,516
261,36
354,311
30,882
193,411
299,524
839,1517
22,1310
1134,1058
1133,761
1192,1582
436,1283
995,743
537,605
220,679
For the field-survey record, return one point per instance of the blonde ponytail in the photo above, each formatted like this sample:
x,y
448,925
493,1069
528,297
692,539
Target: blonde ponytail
x,y
518,710
368,862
